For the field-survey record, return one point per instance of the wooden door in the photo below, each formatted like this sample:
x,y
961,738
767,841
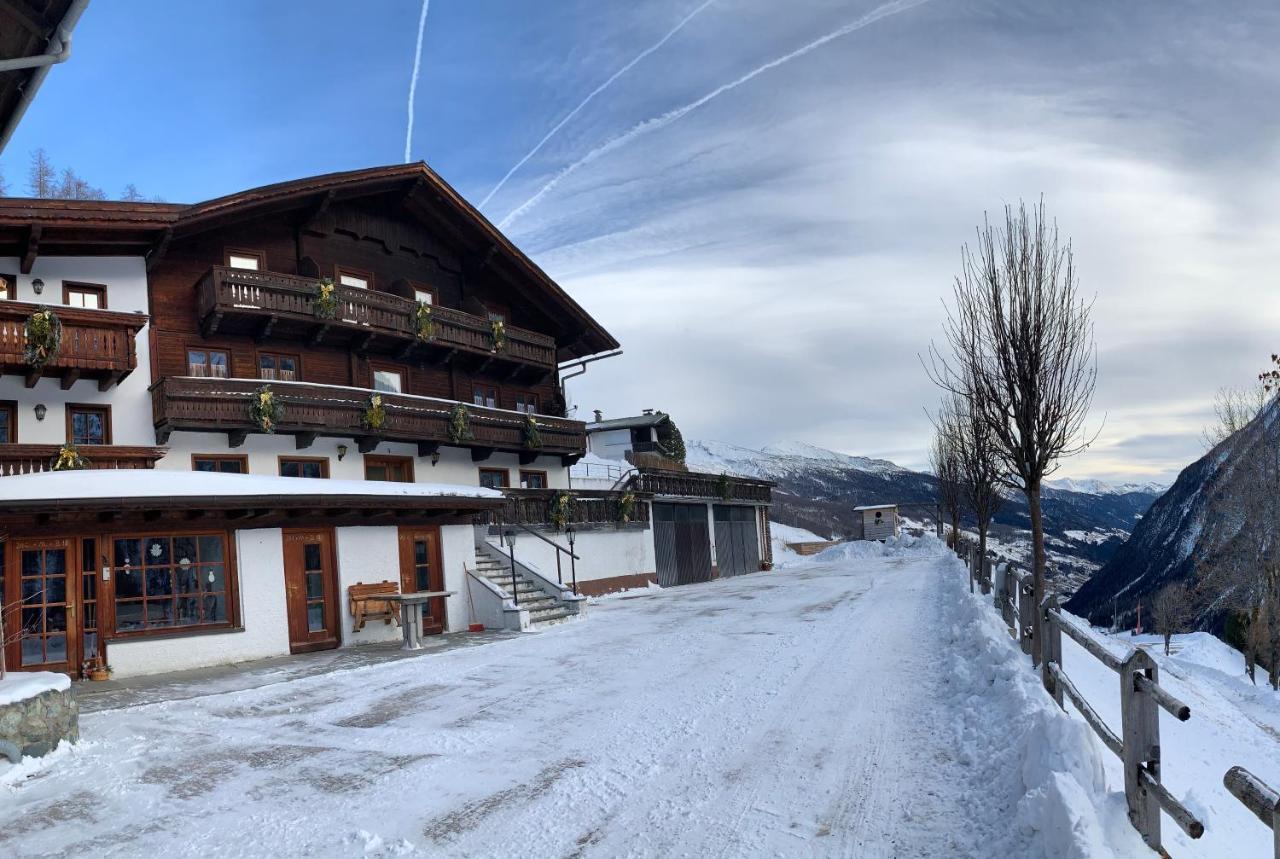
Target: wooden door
x,y
43,584
421,570
682,544
311,589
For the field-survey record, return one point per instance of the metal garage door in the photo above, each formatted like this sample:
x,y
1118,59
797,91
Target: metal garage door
x,y
737,547
682,544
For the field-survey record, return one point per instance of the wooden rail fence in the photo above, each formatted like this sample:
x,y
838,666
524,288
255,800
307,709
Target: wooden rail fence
x,y
1141,695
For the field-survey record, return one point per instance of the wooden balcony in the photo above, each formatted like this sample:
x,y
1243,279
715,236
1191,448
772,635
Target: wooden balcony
x,y
96,344
266,304
709,487
222,405
590,508
32,458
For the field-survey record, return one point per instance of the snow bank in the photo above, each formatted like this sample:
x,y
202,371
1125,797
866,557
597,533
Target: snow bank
x,y
904,545
21,685
781,535
1035,757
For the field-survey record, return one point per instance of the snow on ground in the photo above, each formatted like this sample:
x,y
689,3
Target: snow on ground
x,y
21,685
861,704
781,535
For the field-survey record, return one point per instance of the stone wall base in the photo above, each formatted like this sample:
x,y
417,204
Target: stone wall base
x,y
36,726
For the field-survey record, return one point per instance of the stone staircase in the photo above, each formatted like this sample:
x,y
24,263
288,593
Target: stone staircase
x,y
544,609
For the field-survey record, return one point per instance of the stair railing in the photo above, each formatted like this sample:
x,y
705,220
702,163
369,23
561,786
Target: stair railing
x,y
560,550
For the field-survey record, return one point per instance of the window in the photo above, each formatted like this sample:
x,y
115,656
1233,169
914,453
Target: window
x,y
495,478
220,462
483,395
527,403
304,466
250,260
533,479
8,432
170,581
88,424
396,469
208,363
354,277
426,296
388,379
8,286
281,368
89,295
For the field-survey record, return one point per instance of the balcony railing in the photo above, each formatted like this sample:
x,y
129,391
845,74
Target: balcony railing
x,y
32,458
96,344
712,487
264,303
309,410
534,507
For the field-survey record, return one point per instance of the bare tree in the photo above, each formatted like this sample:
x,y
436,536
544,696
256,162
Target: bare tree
x,y
1171,612
4,186
945,460
980,466
42,178
1233,409
1023,352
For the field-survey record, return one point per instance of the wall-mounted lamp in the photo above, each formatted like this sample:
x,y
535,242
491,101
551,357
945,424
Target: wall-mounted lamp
x,y
37,286
435,458
41,411
342,451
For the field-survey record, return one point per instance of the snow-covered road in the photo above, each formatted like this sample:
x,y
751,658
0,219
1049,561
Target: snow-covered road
x,y
812,711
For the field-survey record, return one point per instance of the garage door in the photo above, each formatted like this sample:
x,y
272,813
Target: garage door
x,y
737,548
682,544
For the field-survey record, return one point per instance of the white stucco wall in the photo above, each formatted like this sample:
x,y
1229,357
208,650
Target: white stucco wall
x,y
605,553
610,444
366,554
260,563
126,282
458,550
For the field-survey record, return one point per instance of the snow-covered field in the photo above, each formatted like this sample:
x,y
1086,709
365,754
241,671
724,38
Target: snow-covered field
x,y
858,704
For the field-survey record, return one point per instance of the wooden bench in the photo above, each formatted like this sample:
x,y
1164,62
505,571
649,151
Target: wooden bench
x,y
367,602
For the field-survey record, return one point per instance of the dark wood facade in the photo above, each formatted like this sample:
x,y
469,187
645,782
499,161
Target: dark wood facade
x,y
96,344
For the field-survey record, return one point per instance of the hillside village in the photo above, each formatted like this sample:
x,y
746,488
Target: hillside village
x,y
315,541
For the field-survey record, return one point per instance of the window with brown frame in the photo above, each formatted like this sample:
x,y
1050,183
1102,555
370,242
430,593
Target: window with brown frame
x,y
279,367
353,277
395,469
424,294
304,466
388,378
90,295
533,479
484,395
245,259
8,286
8,429
527,403
208,363
224,463
88,424
172,581
495,478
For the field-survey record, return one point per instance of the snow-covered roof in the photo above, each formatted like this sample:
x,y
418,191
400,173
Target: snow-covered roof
x,y
653,420
107,484
875,507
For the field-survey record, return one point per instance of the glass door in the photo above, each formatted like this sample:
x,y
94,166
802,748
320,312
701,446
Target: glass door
x,y
47,585
311,589
420,570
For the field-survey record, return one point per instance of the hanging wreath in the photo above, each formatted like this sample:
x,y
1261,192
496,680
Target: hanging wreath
x,y
626,507
498,329
561,510
460,424
44,337
325,304
265,410
69,459
426,325
532,437
722,487
375,414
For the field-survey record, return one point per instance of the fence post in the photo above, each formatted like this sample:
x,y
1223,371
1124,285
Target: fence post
x,y
984,570
1027,618
1050,647
1140,716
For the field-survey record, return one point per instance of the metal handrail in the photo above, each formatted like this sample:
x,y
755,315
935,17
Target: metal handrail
x,y
560,550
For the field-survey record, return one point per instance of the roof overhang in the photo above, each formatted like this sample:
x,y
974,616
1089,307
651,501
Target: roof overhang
x,y
34,36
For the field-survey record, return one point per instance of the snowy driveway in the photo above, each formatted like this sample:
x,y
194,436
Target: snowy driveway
x,y
784,713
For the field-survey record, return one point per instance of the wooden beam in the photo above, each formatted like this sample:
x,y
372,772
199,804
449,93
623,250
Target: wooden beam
x,y
236,437
33,375
34,232
318,211
209,326
107,381
265,329
70,377
367,443
162,435
480,454
360,345
570,459
528,456
427,448
195,514
150,515
304,440
317,336
407,349
107,516
157,253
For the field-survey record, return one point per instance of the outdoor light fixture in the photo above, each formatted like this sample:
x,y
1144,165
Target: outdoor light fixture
x,y
342,451
510,534
41,411
435,458
37,285
570,535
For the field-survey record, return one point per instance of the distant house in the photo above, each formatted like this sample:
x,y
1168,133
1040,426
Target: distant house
x,y
704,526
876,522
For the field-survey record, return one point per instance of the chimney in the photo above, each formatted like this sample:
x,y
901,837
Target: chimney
x,y
648,411
599,416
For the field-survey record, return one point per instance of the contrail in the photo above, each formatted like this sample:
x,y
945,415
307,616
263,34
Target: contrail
x,y
413,81
595,92
649,125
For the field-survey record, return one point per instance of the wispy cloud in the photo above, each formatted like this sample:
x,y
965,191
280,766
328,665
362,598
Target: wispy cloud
x,y
413,81
651,125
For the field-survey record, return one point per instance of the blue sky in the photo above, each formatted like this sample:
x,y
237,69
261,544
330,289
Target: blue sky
x,y
775,258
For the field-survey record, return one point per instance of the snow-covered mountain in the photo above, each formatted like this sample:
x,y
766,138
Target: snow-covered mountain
x,y
818,489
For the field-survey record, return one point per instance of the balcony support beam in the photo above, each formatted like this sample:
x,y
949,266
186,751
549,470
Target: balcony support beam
x,y
70,377
428,448
304,440
570,460
107,381
34,375
265,329
317,336
480,454
367,443
528,456
34,232
209,326
236,437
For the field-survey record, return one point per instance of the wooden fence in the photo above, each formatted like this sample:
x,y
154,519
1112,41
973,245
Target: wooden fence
x,y
1141,695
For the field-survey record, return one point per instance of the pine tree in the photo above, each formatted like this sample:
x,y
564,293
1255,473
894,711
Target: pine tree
x,y
671,440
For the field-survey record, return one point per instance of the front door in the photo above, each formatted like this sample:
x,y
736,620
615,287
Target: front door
x,y
42,603
311,589
421,570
